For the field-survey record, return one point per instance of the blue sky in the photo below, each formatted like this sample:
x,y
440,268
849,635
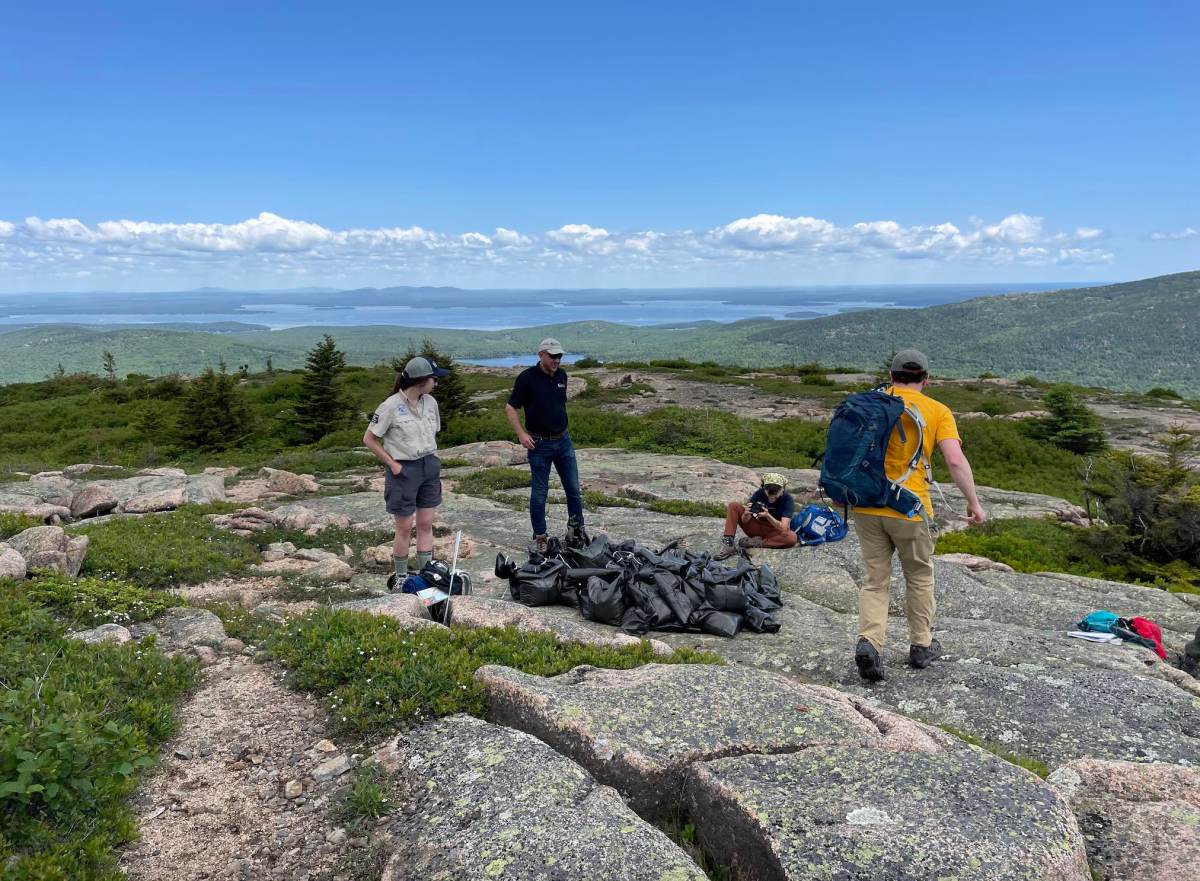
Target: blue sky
x,y
159,146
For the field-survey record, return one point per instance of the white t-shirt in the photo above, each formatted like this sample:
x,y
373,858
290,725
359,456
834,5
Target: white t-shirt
x,y
407,432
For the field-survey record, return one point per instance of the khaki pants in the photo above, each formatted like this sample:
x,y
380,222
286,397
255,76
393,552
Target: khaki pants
x,y
880,537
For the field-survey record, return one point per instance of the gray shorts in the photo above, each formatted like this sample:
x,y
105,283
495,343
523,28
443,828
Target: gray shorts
x,y
419,485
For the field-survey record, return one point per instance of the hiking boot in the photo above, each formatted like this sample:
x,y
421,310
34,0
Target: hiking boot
x,y
921,656
866,658
727,548
750,541
393,582
576,535
541,543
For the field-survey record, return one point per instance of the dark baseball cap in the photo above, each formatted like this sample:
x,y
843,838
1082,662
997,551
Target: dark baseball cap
x,y
911,360
420,367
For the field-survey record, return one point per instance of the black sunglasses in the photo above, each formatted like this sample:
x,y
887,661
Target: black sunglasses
x,y
557,357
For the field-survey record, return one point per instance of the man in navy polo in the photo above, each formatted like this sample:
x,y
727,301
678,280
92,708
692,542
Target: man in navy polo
x,y
541,391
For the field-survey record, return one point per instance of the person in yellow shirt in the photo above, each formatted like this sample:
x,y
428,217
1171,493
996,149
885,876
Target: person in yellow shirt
x,y
883,532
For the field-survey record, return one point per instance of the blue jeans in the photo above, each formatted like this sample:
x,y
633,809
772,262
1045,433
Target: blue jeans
x,y
561,454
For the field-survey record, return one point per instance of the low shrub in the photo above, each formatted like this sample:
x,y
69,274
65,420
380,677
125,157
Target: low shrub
x,y
1030,545
88,602
11,524
78,724
162,550
377,676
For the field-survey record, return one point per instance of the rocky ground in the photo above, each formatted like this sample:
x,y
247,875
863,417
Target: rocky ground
x,y
783,764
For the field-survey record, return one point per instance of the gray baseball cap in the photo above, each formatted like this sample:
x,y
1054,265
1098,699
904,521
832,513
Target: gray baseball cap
x,y
419,368
550,346
906,358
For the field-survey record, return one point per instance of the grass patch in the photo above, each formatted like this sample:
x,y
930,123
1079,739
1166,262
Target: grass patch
x,y
12,524
322,462
243,624
687,508
163,550
78,725
491,480
1031,545
1027,762
364,800
593,499
456,462
377,677
597,395
684,834
82,603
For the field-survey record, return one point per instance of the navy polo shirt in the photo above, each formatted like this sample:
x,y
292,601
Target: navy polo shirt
x,y
544,399
781,508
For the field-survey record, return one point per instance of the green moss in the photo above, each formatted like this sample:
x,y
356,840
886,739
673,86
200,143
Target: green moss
x,y
1029,763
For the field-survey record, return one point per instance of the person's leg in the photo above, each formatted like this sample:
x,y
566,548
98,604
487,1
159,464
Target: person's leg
x,y
877,549
779,537
567,467
733,516
400,545
915,546
425,517
539,476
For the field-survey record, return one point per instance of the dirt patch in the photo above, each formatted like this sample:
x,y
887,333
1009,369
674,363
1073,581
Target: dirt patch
x,y
244,788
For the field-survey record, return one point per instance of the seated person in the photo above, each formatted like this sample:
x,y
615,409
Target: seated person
x,y
766,518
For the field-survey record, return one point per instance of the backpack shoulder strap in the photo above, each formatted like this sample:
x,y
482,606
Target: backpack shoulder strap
x,y
918,458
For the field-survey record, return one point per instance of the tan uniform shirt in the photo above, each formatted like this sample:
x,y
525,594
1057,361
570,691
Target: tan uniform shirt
x,y
407,432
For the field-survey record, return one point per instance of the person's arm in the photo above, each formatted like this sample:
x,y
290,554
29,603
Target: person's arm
x,y
514,419
960,473
371,442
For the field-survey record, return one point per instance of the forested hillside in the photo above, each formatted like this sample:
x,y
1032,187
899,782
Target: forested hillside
x,y
1128,336
1132,336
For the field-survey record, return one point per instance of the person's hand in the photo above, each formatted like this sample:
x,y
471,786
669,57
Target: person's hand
x,y
395,467
526,440
975,514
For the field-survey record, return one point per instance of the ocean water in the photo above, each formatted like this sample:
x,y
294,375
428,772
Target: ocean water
x,y
476,310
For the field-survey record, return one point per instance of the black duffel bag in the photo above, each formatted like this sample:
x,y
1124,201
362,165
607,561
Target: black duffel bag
x,y
719,623
725,597
602,600
537,584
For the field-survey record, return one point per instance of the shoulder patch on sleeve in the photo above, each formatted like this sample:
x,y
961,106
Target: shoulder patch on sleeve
x,y
374,418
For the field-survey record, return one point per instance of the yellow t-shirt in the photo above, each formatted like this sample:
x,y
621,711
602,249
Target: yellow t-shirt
x,y
939,426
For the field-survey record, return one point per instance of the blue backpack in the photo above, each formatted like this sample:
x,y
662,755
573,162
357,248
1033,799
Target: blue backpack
x,y
1101,621
852,466
817,524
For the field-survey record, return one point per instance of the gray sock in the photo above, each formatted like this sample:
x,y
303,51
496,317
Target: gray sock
x,y
401,564
423,557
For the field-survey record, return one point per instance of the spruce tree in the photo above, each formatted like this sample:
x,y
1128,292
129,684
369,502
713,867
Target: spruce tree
x,y
215,415
1070,425
451,392
321,407
110,366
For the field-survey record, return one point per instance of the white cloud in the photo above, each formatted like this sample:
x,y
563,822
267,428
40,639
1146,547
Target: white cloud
x,y
271,245
1187,233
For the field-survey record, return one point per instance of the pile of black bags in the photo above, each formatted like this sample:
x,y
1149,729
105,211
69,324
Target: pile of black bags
x,y
638,589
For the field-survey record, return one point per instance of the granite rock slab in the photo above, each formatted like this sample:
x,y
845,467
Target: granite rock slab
x,y
639,730
1138,820
843,812
481,801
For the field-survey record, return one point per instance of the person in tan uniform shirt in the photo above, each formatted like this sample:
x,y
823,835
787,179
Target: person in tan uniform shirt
x,y
403,436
